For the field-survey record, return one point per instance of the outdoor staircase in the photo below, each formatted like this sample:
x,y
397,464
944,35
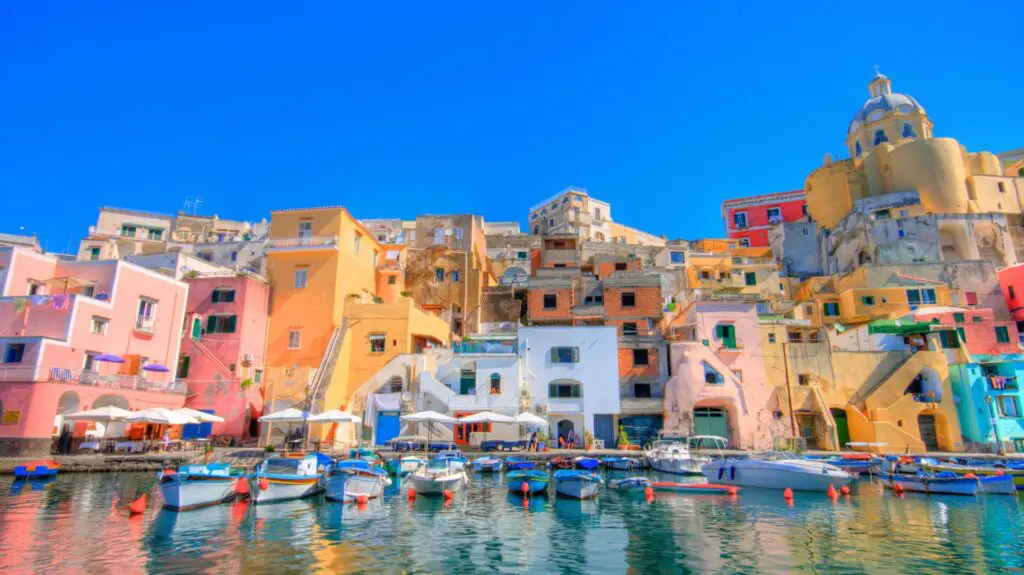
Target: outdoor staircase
x,y
826,416
325,371
859,397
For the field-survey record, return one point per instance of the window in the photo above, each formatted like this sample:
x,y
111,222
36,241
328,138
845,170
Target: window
x,y
99,325
495,384
221,324
356,241
458,233
705,274
565,355
1008,406
882,215
183,364
958,317
453,276
438,275
739,220
750,278
831,309
908,131
913,296
94,253
305,229
87,291
223,295
1001,186
234,256
34,288
294,339
392,280
804,379
744,242
712,377
928,296
868,300
564,390
127,231
880,137
676,257
771,338
301,277
147,313
1002,334
551,221
439,236
971,297
257,376
627,299
948,340
726,333
856,152
14,353
774,215
597,214
641,390
641,357
620,267
156,234
629,328
378,342
550,301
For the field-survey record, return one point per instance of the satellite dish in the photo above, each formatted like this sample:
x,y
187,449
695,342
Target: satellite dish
x,y
448,232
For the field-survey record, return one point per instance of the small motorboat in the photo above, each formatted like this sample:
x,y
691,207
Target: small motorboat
x,y
776,470
631,484
696,488
672,453
402,466
561,462
350,479
576,483
283,478
452,455
586,463
516,463
620,463
976,468
997,485
194,486
932,484
536,481
488,463
439,475
855,463
37,469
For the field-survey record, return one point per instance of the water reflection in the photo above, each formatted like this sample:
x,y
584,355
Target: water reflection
x,y
72,524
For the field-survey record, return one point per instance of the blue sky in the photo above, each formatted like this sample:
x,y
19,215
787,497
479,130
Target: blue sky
x,y
663,109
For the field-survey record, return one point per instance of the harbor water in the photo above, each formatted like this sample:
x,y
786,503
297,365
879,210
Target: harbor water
x,y
72,525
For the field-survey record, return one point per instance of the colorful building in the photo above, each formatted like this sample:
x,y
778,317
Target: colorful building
x,y
79,335
747,220
1011,282
990,400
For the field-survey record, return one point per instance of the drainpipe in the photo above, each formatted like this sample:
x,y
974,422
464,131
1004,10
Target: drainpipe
x,y
995,424
789,391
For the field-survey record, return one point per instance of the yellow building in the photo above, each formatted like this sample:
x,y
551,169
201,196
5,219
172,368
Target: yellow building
x,y
892,149
853,298
717,266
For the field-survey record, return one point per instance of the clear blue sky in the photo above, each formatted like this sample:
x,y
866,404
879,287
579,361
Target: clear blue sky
x,y
396,109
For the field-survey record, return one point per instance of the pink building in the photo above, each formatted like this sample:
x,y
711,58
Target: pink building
x,y
57,317
718,386
978,327
1011,280
222,349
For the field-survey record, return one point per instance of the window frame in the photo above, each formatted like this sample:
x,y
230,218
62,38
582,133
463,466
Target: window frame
x,y
623,297
378,342
104,322
9,347
1002,334
554,301
830,305
629,328
304,274
644,354
222,295
294,339
575,390
556,355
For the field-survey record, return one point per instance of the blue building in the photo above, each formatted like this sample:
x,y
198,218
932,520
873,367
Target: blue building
x,y
988,396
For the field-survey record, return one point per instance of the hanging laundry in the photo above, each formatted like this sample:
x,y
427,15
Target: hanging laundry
x,y
37,299
61,302
20,304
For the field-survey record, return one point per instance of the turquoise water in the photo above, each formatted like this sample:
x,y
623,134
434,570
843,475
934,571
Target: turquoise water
x,y
70,525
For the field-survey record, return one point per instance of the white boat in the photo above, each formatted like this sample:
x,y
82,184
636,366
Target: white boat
x,y
636,484
776,470
283,478
194,486
351,479
438,476
576,483
673,454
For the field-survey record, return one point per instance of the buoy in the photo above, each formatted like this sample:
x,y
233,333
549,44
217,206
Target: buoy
x,y
788,494
1000,472
845,490
970,476
362,499
897,487
412,494
525,488
447,495
242,486
138,506
169,472
649,492
734,491
264,485
832,491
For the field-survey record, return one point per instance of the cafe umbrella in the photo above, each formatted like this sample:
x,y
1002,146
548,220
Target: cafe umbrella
x,y
486,417
290,415
430,418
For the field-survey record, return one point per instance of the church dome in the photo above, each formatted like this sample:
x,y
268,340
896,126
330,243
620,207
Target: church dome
x,y
882,102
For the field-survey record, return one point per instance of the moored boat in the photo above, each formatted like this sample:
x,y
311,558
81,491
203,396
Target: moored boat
x,y
195,486
354,478
586,463
37,469
620,463
576,483
402,466
997,485
516,463
283,478
488,463
932,484
452,455
438,476
933,466
672,454
536,481
776,470
696,488
631,484
561,462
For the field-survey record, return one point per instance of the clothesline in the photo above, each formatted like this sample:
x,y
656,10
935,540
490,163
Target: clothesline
x,y
59,302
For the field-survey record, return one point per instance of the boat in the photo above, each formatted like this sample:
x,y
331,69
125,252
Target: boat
x,y
37,469
997,485
194,486
631,484
855,463
439,475
561,462
402,466
1017,474
776,470
696,488
283,478
933,484
620,463
536,481
516,463
586,463
672,454
349,479
576,483
452,455
488,463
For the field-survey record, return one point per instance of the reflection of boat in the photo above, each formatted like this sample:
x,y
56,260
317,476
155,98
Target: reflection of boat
x,y
776,470
977,470
281,478
622,463
587,463
922,483
405,465
536,481
37,469
487,463
630,484
672,454
576,483
194,486
696,488
438,476
997,485
561,462
353,478
519,463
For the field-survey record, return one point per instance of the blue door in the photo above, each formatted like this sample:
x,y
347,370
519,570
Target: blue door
x,y
197,430
388,426
604,430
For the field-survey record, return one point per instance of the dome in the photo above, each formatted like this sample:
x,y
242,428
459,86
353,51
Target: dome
x,y
882,102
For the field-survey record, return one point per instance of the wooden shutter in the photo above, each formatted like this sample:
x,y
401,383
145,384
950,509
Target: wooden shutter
x,y
575,355
211,324
215,297
230,322
229,296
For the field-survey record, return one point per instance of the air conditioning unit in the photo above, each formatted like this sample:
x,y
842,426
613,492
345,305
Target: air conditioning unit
x,y
247,357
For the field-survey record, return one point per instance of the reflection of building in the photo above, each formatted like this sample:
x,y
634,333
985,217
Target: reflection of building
x,y
58,317
747,220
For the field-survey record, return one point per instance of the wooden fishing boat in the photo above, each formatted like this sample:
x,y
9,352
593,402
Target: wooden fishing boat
x,y
37,469
536,481
631,484
932,484
561,462
620,463
516,463
933,466
195,486
576,483
283,478
586,463
488,463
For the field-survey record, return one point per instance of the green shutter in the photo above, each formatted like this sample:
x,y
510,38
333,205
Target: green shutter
x,y
554,355
211,324
750,278
1002,334
719,332
552,390
230,322
575,355
215,296
963,334
230,296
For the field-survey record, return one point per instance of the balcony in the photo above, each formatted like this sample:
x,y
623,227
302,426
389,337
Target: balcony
x,y
487,347
145,325
551,257
483,401
70,376
749,262
299,243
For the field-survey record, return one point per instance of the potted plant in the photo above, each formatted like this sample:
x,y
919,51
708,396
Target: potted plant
x,y
623,437
588,440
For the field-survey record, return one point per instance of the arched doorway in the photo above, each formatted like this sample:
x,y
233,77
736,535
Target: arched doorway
x,y
926,427
564,427
842,426
114,428
69,402
711,421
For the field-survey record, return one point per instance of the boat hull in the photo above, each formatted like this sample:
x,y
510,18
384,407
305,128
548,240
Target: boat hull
x,y
631,484
805,476
622,464
576,488
438,484
1016,474
284,489
520,464
182,494
678,466
490,465
997,485
931,485
536,483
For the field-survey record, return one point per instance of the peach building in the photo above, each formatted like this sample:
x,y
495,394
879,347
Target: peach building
x,y
57,318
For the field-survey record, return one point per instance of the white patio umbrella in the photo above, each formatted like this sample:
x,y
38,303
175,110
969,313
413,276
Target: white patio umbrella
x,y
160,415
486,417
290,415
530,420
102,415
335,416
200,416
429,417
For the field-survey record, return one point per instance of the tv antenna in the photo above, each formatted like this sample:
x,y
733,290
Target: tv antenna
x,y
192,205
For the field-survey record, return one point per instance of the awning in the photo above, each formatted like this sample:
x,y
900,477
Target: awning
x,y
899,326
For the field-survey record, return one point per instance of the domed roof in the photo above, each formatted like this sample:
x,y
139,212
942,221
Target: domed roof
x,y
883,101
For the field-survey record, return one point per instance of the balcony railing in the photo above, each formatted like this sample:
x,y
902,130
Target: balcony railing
x,y
559,256
492,347
303,242
86,377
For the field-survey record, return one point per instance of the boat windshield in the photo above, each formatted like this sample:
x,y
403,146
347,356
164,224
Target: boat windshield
x,y
439,464
773,456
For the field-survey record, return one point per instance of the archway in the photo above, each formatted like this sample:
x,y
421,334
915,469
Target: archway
x,y
929,435
564,427
842,426
69,402
114,428
926,387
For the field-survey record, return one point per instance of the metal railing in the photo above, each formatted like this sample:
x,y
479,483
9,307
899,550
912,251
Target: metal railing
x,y
303,242
495,347
87,377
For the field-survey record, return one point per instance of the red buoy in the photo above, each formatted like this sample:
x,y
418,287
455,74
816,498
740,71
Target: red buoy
x,y
525,488
897,487
1000,472
138,506
448,495
788,494
845,490
970,476
649,492
242,486
832,491
734,491
361,499
412,494
264,485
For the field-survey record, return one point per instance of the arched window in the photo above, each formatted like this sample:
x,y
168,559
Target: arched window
x,y
495,384
880,137
908,131
856,149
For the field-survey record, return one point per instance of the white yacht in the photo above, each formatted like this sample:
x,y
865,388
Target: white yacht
x,y
776,470
676,454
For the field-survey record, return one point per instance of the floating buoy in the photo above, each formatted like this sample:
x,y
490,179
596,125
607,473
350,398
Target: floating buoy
x,y
832,491
448,495
970,476
242,486
734,491
845,490
362,499
1000,472
525,488
649,492
412,494
264,485
169,472
138,506
788,494
897,487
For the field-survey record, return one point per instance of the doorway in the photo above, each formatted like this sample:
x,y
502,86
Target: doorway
x,y
807,423
926,427
564,427
842,426
711,421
